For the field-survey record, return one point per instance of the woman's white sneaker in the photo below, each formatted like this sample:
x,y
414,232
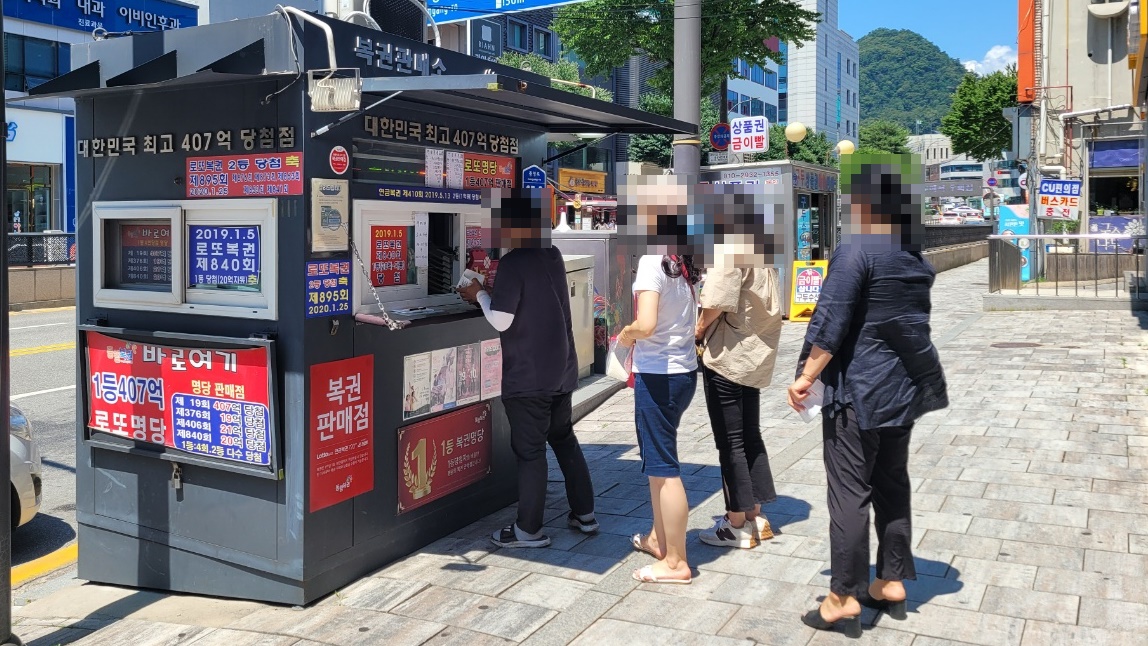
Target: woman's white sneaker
x,y
722,534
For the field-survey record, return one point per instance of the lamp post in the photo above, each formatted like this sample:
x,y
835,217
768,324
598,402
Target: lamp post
x,y
688,84
795,133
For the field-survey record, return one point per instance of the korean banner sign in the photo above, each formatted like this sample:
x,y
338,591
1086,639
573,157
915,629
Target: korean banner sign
x,y
342,396
208,402
253,175
808,276
749,135
444,454
1059,199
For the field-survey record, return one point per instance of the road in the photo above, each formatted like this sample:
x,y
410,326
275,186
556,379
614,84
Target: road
x,y
43,386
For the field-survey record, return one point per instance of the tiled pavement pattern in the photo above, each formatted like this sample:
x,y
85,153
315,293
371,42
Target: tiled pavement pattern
x,y
1030,524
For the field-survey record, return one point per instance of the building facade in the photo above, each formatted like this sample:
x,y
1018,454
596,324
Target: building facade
x,y
932,149
40,182
822,79
752,90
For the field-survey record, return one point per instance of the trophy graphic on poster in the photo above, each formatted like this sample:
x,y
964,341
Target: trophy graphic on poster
x,y
418,480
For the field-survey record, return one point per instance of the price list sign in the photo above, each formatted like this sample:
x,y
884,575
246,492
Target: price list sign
x,y
390,264
145,254
223,255
208,402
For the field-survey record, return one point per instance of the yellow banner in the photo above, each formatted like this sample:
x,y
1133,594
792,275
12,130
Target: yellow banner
x,y
808,276
582,181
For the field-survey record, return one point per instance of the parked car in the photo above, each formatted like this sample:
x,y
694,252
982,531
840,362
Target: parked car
x,y
952,218
25,464
974,218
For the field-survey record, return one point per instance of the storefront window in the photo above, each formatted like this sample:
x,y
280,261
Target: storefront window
x,y
31,200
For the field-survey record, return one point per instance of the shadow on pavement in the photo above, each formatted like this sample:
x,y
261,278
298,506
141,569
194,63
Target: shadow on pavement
x,y
43,535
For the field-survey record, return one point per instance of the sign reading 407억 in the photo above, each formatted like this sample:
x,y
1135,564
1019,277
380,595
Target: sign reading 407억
x,y
443,455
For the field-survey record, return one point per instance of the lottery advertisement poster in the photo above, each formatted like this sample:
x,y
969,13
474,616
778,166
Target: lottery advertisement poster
x,y
416,385
451,377
222,256
808,276
342,430
254,175
328,288
392,256
487,171
145,254
491,360
443,379
468,382
443,455
213,403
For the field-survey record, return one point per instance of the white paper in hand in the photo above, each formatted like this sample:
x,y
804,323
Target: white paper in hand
x,y
813,402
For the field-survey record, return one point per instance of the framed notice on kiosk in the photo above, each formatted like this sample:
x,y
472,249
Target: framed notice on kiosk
x,y
186,398
443,455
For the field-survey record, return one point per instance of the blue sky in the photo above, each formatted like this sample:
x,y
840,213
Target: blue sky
x,y
968,30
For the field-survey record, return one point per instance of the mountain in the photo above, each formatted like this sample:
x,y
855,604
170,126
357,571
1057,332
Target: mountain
x,y
905,77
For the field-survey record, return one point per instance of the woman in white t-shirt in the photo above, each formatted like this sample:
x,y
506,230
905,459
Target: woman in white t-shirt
x,y
665,377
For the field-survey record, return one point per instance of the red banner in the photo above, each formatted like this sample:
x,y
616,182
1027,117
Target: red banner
x,y
208,402
442,455
487,171
389,247
254,175
342,397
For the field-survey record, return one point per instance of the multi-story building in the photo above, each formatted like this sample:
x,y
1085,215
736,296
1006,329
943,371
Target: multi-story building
x,y
822,78
752,90
1073,59
932,149
40,190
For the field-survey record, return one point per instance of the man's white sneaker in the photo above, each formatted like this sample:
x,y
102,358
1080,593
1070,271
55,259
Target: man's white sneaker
x,y
722,534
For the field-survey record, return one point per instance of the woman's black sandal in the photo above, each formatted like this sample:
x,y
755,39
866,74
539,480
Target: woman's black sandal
x,y
895,609
849,626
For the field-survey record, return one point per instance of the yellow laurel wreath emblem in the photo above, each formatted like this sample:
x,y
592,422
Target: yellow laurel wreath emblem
x,y
410,478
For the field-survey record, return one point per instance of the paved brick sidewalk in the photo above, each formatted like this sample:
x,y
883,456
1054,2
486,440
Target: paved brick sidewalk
x,y
1030,524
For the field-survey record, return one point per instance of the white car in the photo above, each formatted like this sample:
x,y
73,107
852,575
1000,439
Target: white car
x,y
974,218
952,218
25,464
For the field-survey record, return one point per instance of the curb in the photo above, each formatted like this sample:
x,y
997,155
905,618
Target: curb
x,y
46,564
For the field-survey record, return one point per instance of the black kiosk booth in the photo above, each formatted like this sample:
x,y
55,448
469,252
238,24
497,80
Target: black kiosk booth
x,y
252,195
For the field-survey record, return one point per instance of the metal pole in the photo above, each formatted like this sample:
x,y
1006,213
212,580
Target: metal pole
x,y
687,84
6,636
724,106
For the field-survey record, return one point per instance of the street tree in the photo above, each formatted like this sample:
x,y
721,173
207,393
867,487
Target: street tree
x,y
606,33
562,69
659,149
814,149
882,136
975,123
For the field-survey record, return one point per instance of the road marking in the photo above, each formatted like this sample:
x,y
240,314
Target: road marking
x,y
44,392
46,310
40,349
33,327
37,568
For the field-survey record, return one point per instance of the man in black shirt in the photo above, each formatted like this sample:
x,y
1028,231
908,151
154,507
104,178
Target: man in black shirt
x,y
531,310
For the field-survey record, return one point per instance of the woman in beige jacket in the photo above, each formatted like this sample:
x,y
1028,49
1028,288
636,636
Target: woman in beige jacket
x,y
740,327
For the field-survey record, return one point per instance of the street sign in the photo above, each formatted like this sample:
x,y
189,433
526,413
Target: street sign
x,y
1059,199
533,177
749,135
719,137
718,157
992,181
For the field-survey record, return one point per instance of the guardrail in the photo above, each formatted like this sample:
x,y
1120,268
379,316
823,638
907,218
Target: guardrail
x,y
941,235
32,249
1089,265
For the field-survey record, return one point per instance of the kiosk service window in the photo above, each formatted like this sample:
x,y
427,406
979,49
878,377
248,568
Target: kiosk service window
x,y
213,257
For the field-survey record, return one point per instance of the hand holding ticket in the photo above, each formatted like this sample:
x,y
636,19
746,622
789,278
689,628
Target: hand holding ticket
x,y
813,402
469,275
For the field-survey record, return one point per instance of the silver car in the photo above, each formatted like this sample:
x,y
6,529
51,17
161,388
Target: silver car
x,y
26,484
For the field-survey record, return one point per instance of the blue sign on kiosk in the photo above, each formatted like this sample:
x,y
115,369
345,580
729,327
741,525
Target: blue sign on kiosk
x,y
533,177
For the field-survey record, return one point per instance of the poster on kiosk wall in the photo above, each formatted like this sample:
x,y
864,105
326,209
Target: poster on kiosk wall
x,y
1015,220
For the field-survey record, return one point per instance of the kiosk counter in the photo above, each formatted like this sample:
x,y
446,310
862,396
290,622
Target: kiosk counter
x,y
280,390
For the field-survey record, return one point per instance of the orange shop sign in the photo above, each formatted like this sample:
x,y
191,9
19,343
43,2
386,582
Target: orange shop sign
x,y
487,171
582,181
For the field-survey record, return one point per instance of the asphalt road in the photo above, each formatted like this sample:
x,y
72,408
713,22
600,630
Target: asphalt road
x,y
43,359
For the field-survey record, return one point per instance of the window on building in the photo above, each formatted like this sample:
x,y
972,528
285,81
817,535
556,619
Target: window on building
x,y
744,105
757,75
825,76
544,43
730,101
756,107
783,107
771,113
770,79
518,35
32,61
736,65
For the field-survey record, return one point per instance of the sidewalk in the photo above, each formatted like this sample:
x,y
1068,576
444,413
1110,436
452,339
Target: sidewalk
x,y
1030,524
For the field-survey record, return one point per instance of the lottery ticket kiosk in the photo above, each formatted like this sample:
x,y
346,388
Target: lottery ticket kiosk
x,y
805,203
279,391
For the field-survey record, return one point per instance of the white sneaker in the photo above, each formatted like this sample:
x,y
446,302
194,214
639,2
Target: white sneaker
x,y
764,531
722,534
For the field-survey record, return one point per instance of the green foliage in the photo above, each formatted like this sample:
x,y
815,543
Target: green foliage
x,y
606,33
975,124
659,149
883,137
905,77
814,149
562,69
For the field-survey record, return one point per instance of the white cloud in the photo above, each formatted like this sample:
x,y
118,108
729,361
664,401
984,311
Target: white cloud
x,y
996,59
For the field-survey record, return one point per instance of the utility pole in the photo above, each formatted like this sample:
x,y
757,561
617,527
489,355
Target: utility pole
x,y
6,636
687,84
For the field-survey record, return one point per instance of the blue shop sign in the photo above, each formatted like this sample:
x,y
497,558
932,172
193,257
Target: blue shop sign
x,y
445,11
328,288
111,15
223,256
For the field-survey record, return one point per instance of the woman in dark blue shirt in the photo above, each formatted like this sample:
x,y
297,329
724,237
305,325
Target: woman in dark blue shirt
x,y
869,344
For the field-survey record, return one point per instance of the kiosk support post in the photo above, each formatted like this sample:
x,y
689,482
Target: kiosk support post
x,y
6,636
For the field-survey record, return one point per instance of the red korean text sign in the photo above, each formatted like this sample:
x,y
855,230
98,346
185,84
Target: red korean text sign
x,y
487,171
208,402
389,249
254,175
443,455
342,449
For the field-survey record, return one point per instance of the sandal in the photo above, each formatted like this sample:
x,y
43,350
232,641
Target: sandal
x,y
646,575
638,542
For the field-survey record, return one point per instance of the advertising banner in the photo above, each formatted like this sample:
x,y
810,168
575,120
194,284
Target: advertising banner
x,y
443,455
582,181
1059,199
223,255
392,256
112,15
487,171
328,288
749,135
1014,220
207,402
804,234
145,254
808,276
253,175
342,430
